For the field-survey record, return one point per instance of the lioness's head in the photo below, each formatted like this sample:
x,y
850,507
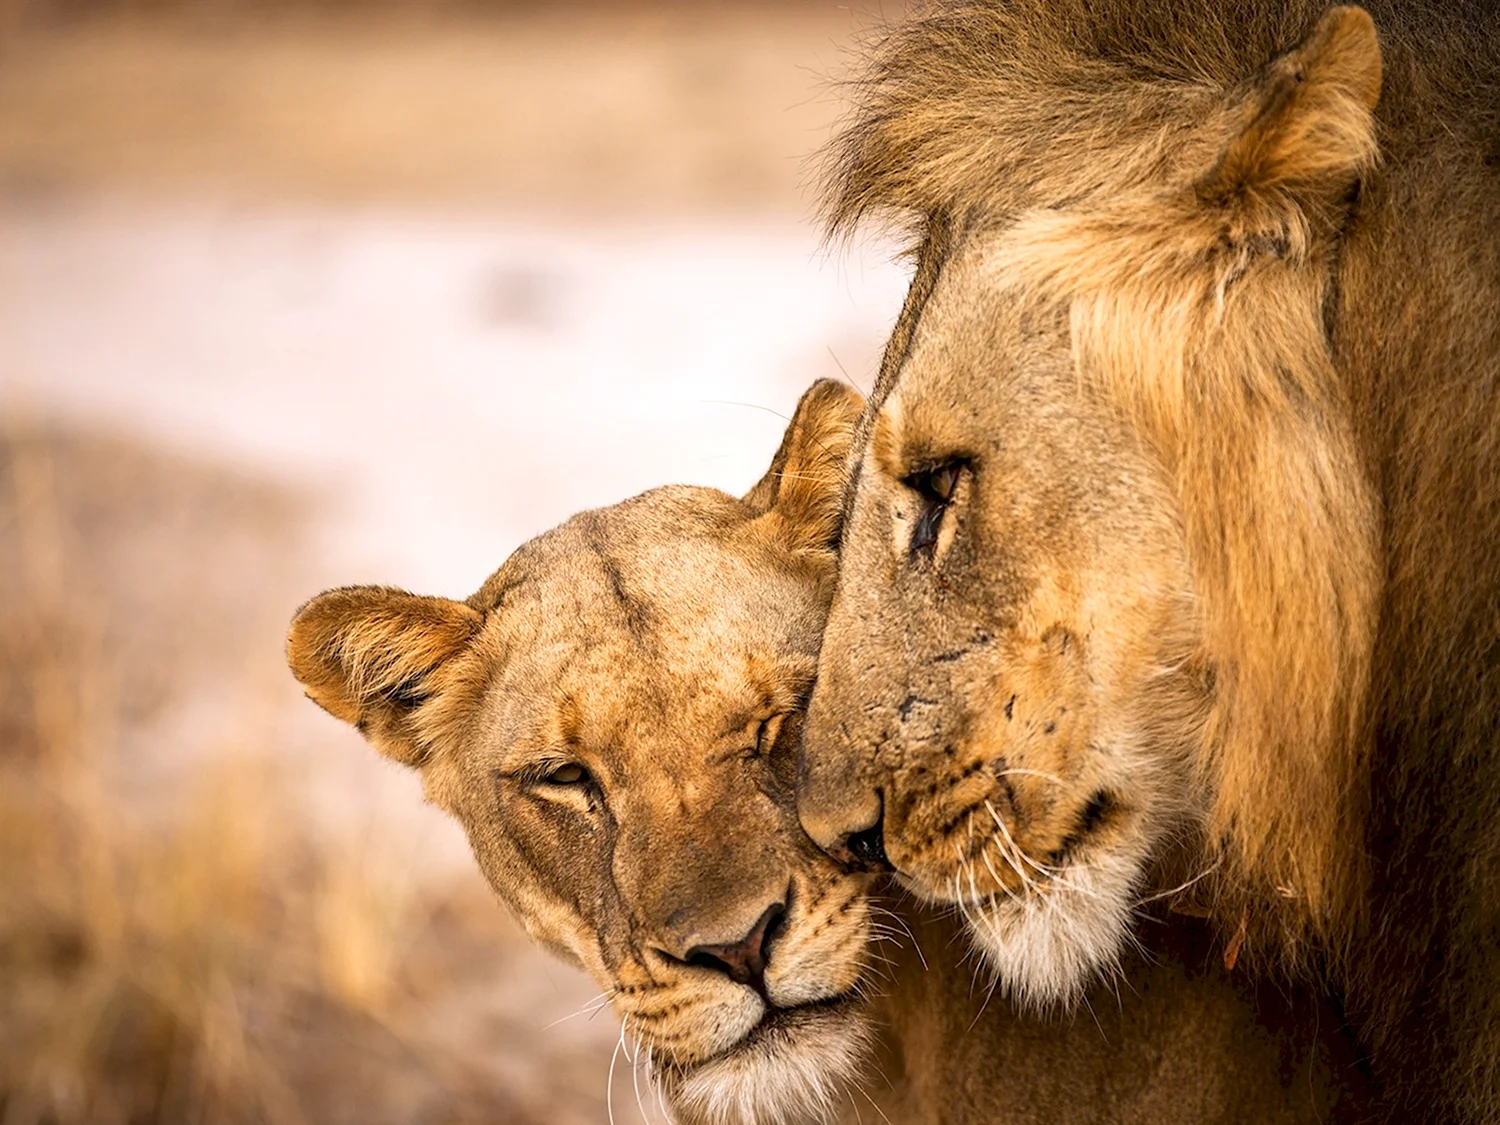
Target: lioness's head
x,y
614,720
1107,576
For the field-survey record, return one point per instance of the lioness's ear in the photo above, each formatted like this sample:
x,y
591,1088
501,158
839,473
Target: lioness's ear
x,y
1308,122
804,487
371,655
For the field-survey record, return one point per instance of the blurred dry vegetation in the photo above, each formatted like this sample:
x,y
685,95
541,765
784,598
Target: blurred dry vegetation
x,y
592,107
179,940
186,933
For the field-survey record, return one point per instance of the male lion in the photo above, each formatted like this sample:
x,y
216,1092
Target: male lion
x,y
614,718
1174,552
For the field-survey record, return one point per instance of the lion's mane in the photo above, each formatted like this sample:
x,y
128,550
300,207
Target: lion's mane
x,y
1334,432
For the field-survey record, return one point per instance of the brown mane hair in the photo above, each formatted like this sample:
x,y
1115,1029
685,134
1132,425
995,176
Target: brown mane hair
x,y
1312,242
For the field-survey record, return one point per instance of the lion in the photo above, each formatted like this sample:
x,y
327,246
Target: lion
x,y
1172,561
614,719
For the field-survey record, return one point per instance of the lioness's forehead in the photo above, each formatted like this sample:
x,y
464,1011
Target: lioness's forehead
x,y
672,602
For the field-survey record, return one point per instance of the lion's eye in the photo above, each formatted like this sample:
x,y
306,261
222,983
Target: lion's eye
x,y
570,774
935,489
940,483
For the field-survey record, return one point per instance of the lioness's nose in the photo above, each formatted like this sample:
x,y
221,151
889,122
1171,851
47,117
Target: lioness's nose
x,y
744,961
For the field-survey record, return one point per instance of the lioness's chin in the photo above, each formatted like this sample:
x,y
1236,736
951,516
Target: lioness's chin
x,y
793,1069
1047,946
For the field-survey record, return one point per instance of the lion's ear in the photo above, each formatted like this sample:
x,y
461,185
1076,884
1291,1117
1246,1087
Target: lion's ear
x,y
371,655
804,487
1307,126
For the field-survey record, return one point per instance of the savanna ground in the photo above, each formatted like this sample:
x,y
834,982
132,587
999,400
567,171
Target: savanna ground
x,y
294,297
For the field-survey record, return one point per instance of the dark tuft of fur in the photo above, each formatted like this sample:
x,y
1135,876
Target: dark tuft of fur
x,y
963,109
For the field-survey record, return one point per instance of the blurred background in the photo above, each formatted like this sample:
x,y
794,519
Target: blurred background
x,y
299,294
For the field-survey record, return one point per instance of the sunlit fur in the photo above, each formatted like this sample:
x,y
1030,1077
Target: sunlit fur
x,y
1046,946
665,645
913,1041
1233,264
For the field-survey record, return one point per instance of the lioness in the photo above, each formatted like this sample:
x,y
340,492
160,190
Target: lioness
x,y
1174,556
614,719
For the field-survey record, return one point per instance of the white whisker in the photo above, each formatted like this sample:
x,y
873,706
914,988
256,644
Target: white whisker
x,y
609,1081
1204,874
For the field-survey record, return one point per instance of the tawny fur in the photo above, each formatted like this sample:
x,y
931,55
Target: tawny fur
x,y
1268,233
642,639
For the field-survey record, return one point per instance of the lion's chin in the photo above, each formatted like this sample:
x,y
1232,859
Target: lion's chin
x,y
793,1069
1047,946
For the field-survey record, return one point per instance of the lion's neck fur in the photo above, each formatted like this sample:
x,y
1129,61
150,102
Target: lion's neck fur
x,y
1327,403
1236,393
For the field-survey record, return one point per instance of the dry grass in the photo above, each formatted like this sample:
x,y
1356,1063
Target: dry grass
x,y
179,942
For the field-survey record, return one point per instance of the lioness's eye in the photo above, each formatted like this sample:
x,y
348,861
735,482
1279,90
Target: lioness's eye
x,y
570,774
764,736
934,488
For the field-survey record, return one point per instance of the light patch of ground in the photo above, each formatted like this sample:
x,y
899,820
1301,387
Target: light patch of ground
x,y
452,387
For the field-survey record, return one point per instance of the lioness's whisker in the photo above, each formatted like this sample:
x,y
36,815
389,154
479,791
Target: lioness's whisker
x,y
593,1007
635,1074
655,1081
609,1078
876,908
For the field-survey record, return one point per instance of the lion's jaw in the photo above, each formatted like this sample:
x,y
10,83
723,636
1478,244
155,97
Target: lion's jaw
x,y
1014,666
1046,921
1046,946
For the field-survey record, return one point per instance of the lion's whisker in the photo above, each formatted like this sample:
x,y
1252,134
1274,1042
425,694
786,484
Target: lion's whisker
x,y
1021,771
1205,873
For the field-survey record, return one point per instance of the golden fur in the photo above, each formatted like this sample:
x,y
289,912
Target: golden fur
x,y
1175,546
648,642
592,715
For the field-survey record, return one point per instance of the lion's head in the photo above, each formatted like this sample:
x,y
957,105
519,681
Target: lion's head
x,y
1109,573
613,718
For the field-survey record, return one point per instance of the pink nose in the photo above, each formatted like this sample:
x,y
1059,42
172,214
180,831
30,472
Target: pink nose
x,y
744,961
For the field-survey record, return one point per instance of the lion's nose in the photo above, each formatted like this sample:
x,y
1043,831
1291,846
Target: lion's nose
x,y
863,850
744,961
840,809
848,826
